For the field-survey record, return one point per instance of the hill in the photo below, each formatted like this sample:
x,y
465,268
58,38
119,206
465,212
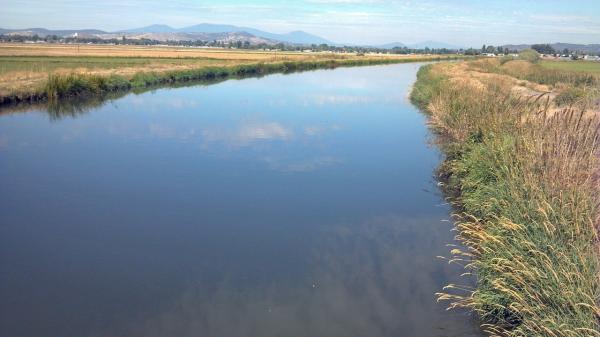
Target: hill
x,y
295,37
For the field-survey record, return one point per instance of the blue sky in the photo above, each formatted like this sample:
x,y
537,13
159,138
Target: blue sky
x,y
460,22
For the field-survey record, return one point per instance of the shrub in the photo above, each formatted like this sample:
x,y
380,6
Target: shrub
x,y
530,55
569,96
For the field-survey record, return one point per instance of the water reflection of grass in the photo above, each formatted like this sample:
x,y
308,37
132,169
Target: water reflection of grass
x,y
523,177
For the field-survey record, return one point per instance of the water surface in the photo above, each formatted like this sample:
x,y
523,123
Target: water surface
x,y
289,205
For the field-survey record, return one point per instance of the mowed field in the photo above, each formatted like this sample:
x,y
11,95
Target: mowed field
x,y
27,66
581,66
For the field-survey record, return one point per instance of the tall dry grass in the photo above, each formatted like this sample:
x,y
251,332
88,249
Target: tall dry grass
x,y
524,183
65,85
571,87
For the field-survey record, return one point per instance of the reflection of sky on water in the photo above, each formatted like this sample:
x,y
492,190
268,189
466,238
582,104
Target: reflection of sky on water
x,y
292,205
369,279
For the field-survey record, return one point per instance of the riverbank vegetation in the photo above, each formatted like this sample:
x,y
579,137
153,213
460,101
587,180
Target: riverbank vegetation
x,y
565,84
33,73
522,172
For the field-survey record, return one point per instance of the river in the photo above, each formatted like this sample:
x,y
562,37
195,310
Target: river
x,y
290,205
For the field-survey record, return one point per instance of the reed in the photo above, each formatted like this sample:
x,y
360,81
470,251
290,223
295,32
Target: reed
x,y
524,185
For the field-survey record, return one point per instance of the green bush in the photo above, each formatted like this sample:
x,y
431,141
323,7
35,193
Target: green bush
x,y
569,96
530,55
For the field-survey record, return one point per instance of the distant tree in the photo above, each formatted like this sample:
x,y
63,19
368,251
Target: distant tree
x,y
490,49
529,55
483,49
566,51
543,48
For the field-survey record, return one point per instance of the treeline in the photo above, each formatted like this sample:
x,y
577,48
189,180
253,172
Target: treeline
x,y
233,45
542,48
548,49
497,50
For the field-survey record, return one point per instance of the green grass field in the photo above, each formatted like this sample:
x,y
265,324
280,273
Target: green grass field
x,y
582,66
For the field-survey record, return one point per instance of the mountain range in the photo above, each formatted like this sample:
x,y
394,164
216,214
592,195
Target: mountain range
x,y
204,31
231,33
295,37
208,32
420,45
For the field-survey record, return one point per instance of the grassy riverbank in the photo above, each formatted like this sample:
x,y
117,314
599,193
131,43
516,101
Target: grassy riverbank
x,y
38,73
522,174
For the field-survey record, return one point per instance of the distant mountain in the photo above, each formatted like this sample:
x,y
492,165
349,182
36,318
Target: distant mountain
x,y
154,32
226,37
300,37
45,32
559,47
151,29
391,45
203,31
433,45
296,37
420,45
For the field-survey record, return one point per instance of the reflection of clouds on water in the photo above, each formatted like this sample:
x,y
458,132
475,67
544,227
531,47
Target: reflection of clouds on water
x,y
165,132
372,279
315,130
241,135
303,165
338,80
339,99
248,133
277,102
181,103
149,100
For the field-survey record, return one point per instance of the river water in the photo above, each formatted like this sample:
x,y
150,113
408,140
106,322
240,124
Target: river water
x,y
289,205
